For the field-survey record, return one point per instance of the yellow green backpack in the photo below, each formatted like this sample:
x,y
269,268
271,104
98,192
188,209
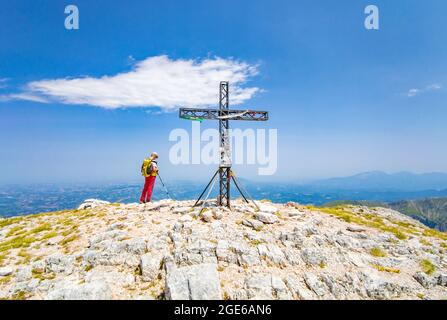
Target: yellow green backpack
x,y
145,166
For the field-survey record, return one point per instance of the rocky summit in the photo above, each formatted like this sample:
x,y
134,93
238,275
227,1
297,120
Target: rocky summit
x,y
169,250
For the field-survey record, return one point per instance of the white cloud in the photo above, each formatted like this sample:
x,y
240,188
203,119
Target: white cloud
x,y
23,96
3,82
413,92
154,82
434,87
417,91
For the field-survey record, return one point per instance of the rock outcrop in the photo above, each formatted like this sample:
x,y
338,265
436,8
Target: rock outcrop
x,y
169,250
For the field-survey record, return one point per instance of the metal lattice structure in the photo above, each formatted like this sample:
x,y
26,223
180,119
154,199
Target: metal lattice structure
x,y
215,114
223,115
225,147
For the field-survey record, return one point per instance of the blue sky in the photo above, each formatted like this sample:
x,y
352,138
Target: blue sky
x,y
344,99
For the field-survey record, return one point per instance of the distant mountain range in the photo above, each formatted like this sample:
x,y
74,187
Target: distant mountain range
x,y
422,196
381,181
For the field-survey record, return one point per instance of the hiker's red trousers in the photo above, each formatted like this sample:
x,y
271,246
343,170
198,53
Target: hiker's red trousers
x,y
149,183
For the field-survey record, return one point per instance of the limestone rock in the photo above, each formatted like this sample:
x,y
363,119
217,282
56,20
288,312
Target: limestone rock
x,y
425,280
135,246
181,210
225,252
150,266
39,266
259,287
313,256
442,279
6,271
300,290
315,284
217,214
292,213
273,253
207,216
92,203
24,274
60,263
354,228
255,224
249,258
266,217
267,287
267,208
86,291
110,277
336,290
197,282
280,290
162,249
381,288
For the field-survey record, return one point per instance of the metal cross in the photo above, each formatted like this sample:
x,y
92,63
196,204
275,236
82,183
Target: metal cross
x,y
223,114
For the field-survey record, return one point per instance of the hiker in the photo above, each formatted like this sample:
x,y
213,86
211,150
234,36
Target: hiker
x,y
149,170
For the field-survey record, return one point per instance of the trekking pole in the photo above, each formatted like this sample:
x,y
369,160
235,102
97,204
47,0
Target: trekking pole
x,y
166,189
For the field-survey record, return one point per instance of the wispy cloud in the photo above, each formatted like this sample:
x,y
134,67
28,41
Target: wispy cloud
x,y
23,96
154,82
418,91
3,82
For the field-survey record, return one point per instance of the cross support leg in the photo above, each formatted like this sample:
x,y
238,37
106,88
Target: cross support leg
x,y
239,189
206,188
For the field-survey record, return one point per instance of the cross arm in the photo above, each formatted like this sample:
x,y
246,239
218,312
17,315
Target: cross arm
x,y
219,114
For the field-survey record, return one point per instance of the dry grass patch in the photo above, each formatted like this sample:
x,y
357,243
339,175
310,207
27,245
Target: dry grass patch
x,y
3,257
39,274
49,235
8,221
69,239
256,242
435,234
427,266
404,224
21,295
385,269
66,221
42,227
377,252
25,255
17,242
364,219
15,230
69,231
5,280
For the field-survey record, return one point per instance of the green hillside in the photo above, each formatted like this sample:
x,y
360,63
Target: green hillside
x,y
432,212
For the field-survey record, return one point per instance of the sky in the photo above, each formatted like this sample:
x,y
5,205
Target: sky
x,y
88,105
